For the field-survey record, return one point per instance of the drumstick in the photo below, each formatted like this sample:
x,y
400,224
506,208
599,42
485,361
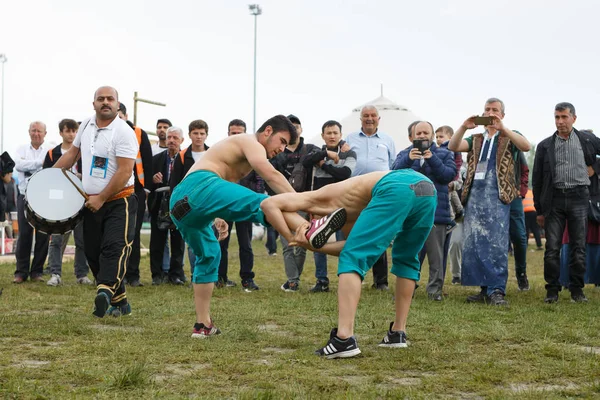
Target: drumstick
x,y
81,192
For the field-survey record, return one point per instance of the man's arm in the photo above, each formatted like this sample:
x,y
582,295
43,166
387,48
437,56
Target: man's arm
x,y
23,165
116,183
443,170
537,178
257,159
517,139
457,143
146,153
68,159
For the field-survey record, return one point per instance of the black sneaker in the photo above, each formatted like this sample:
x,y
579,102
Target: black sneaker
x,y
321,286
551,298
101,304
380,286
339,348
221,283
497,299
456,280
435,296
290,287
394,338
480,297
249,286
523,282
578,298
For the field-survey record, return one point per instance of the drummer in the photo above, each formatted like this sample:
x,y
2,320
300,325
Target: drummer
x,y
108,149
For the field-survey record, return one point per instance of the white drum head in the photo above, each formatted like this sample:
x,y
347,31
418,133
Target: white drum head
x,y
51,196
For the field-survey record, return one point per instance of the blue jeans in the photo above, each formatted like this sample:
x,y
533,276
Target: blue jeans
x,y
518,235
271,244
321,261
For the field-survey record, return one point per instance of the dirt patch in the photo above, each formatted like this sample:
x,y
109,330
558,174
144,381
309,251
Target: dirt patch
x,y
273,328
534,387
277,350
405,381
173,371
589,349
30,364
356,379
116,328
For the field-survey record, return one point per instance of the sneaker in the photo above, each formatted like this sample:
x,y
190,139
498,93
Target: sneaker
x,y
84,280
320,286
101,304
456,280
272,254
202,331
321,229
394,338
435,296
578,298
497,299
339,348
249,286
480,297
290,286
117,311
222,283
551,298
523,282
54,280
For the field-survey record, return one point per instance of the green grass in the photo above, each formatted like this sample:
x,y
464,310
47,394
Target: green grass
x,y
52,347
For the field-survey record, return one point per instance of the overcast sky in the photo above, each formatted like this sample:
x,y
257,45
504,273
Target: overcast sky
x,y
316,59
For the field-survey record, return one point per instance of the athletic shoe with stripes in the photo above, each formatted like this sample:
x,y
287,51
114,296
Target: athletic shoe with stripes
x,y
394,338
202,331
101,303
339,348
321,229
117,311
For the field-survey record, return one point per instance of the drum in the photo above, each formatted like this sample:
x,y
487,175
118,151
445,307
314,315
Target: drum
x,y
52,203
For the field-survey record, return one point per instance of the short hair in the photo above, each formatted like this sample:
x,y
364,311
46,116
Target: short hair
x,y
496,100
411,126
175,129
329,124
38,122
164,121
197,124
445,129
234,122
428,123
369,106
565,106
280,123
122,108
69,124
109,87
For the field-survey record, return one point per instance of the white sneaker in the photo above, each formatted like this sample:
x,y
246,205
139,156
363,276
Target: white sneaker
x,y
84,281
55,280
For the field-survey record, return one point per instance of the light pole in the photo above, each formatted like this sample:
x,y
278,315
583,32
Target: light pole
x,y
3,60
256,11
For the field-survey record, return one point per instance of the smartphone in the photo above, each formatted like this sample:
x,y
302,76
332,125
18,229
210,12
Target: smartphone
x,y
421,144
483,121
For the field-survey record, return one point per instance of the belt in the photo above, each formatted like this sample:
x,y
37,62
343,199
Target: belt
x,y
570,190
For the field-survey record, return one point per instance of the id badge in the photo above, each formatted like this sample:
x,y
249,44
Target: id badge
x,y
481,170
99,167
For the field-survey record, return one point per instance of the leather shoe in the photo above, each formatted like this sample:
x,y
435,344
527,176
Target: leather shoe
x,y
135,283
37,279
18,279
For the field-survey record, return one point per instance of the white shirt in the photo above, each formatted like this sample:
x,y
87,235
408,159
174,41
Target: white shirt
x,y
116,140
28,162
196,155
156,149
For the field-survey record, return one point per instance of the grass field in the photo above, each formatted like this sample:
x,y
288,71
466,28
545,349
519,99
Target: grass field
x,y
52,347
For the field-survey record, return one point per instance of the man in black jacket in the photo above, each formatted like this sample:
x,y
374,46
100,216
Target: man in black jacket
x,y
285,162
563,164
162,166
142,173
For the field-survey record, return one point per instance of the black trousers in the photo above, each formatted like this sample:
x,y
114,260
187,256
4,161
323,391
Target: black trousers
x,y
532,226
158,238
380,270
568,207
244,236
133,269
108,236
24,243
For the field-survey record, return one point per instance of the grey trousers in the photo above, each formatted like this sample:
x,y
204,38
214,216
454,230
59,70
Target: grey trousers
x,y
56,249
293,260
455,251
434,248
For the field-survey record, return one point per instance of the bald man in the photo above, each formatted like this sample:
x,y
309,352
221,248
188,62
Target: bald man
x,y
108,148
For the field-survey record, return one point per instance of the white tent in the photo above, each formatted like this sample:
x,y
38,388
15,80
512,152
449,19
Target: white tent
x,y
394,121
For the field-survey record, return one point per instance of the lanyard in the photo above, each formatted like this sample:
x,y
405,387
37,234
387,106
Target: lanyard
x,y
490,148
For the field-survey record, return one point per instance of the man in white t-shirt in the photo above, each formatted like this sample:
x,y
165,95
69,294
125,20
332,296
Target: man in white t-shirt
x,y
108,149
28,161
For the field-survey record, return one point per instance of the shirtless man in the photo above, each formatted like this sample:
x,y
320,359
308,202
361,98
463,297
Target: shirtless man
x,y
209,191
380,206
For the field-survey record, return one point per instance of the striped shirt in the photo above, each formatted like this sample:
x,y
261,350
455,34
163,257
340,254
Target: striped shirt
x,y
570,170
